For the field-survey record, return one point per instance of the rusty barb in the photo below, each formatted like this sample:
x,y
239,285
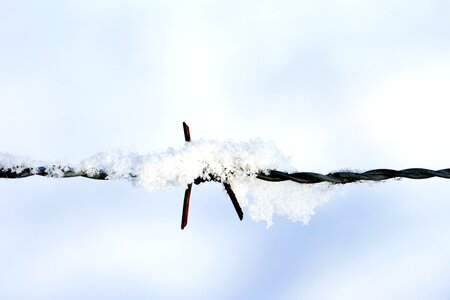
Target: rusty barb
x,y
187,193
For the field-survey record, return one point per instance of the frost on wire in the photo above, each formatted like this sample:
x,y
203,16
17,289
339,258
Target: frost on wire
x,y
233,162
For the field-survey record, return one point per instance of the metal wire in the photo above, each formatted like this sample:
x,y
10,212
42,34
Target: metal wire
x,y
273,175
348,177
43,171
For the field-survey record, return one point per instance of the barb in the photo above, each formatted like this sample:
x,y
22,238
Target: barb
x,y
187,194
185,214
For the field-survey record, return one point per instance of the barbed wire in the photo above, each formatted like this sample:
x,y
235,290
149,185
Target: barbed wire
x,y
54,171
341,177
349,177
272,175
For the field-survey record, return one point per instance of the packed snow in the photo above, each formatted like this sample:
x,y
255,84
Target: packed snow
x,y
234,162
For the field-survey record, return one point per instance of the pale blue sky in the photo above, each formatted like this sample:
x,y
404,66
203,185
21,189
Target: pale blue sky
x,y
336,84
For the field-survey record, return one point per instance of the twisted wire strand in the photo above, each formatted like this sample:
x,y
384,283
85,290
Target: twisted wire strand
x,y
55,171
273,175
348,177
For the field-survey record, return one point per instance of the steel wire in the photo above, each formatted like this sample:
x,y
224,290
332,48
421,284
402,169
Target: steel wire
x,y
342,177
349,177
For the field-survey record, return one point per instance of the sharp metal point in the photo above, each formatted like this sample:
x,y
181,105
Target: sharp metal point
x,y
187,134
187,193
187,197
234,200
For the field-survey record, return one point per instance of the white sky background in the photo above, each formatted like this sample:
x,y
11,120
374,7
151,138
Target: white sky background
x,y
335,84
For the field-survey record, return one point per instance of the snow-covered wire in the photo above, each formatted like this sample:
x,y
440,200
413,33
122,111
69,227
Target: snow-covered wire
x,y
273,175
241,167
